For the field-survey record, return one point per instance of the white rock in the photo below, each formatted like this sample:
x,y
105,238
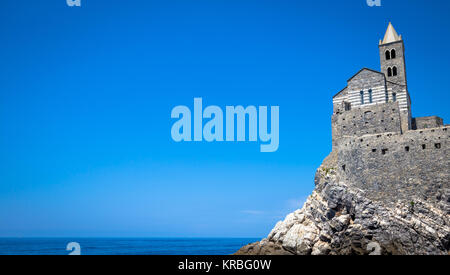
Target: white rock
x,y
321,248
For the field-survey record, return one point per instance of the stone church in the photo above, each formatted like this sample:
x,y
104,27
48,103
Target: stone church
x,y
377,143
368,89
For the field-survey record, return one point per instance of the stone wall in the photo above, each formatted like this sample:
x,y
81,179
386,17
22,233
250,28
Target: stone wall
x,y
372,119
417,162
427,122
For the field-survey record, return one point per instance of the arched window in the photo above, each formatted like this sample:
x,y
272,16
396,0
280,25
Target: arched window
x,y
388,55
362,97
394,97
389,72
394,71
393,53
370,96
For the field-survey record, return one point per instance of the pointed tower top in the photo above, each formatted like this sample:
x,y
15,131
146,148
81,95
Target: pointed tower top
x,y
391,35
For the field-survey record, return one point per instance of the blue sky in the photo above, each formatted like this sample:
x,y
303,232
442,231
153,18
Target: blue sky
x,y
86,95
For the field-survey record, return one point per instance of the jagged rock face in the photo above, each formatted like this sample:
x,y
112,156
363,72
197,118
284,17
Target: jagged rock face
x,y
338,218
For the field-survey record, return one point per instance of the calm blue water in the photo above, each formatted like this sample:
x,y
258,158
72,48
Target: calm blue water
x,y
119,246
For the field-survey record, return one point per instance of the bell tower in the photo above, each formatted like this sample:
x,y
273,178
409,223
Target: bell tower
x,y
392,56
392,59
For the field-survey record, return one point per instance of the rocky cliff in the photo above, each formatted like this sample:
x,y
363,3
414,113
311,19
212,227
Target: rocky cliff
x,y
342,218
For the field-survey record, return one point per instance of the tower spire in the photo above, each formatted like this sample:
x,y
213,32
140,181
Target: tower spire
x,y
391,35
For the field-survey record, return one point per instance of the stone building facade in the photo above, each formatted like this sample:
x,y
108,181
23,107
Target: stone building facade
x,y
379,146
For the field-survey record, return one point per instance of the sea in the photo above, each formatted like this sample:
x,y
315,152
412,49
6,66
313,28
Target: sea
x,y
122,246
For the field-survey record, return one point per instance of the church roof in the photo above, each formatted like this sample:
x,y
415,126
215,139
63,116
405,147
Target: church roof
x,y
363,69
341,91
391,35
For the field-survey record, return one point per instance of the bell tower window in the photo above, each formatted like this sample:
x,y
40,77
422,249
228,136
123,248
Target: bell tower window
x,y
393,54
389,72
394,71
388,55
